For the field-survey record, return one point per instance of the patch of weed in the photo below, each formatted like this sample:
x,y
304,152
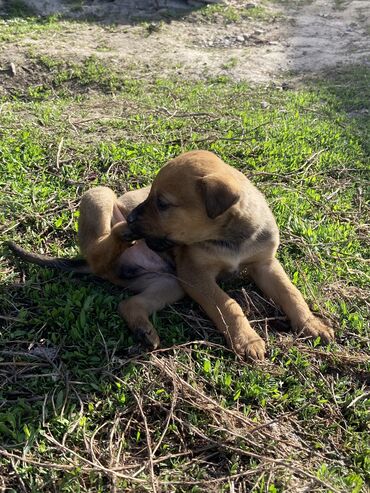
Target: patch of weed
x,y
234,14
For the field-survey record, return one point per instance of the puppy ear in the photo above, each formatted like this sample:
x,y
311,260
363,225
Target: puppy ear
x,y
218,193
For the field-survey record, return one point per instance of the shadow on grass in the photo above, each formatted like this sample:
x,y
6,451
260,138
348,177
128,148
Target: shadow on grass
x,y
103,12
348,89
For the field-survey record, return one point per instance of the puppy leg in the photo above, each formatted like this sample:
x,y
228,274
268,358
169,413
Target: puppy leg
x,y
271,278
101,225
158,293
199,282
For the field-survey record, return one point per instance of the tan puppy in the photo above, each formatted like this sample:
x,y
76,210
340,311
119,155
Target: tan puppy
x,y
211,222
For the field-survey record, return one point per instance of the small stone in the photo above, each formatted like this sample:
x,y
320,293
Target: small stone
x,y
264,104
240,39
250,5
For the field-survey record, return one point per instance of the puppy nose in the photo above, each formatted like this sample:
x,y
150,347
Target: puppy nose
x,y
132,217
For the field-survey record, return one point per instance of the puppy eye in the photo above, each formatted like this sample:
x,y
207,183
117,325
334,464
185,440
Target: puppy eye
x,y
162,205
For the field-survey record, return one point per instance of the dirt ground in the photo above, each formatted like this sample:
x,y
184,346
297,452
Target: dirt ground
x,y
288,37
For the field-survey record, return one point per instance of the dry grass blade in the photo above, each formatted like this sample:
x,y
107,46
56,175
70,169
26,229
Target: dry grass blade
x,y
149,443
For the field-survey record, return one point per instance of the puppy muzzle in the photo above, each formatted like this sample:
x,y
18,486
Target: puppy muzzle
x,y
129,235
134,231
159,244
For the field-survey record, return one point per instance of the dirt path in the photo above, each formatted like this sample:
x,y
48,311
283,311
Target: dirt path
x,y
306,37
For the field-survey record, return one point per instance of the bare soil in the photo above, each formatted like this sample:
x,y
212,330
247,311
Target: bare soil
x,y
293,37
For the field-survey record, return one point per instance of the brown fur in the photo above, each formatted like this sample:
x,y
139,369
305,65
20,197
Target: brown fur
x,y
211,221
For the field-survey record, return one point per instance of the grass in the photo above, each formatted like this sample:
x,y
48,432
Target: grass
x,y
20,21
232,14
82,407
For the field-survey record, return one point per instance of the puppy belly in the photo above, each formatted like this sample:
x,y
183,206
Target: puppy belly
x,y
139,260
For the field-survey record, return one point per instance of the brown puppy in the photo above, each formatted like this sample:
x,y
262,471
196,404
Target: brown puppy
x,y
216,223
110,253
206,221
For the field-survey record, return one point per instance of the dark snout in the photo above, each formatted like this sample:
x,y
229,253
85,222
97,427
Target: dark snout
x,y
135,214
136,223
133,222
159,244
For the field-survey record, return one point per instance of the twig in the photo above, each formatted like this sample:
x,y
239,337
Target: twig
x,y
87,461
58,152
148,441
170,414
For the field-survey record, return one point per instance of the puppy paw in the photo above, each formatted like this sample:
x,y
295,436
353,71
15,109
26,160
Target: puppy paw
x,y
147,335
249,346
314,327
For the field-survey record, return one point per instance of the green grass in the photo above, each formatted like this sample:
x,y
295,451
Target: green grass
x,y
20,21
81,406
231,14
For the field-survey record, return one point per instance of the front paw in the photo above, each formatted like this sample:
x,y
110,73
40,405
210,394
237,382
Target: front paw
x,y
314,327
249,345
147,335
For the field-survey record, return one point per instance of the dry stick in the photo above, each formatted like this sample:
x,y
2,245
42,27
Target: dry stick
x,y
257,482
72,428
164,367
87,461
170,415
113,462
91,443
182,454
229,339
23,486
51,465
58,152
254,429
281,440
297,469
215,480
111,438
352,403
148,441
308,163
267,319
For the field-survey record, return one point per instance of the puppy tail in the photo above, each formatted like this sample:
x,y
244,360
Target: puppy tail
x,y
78,266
